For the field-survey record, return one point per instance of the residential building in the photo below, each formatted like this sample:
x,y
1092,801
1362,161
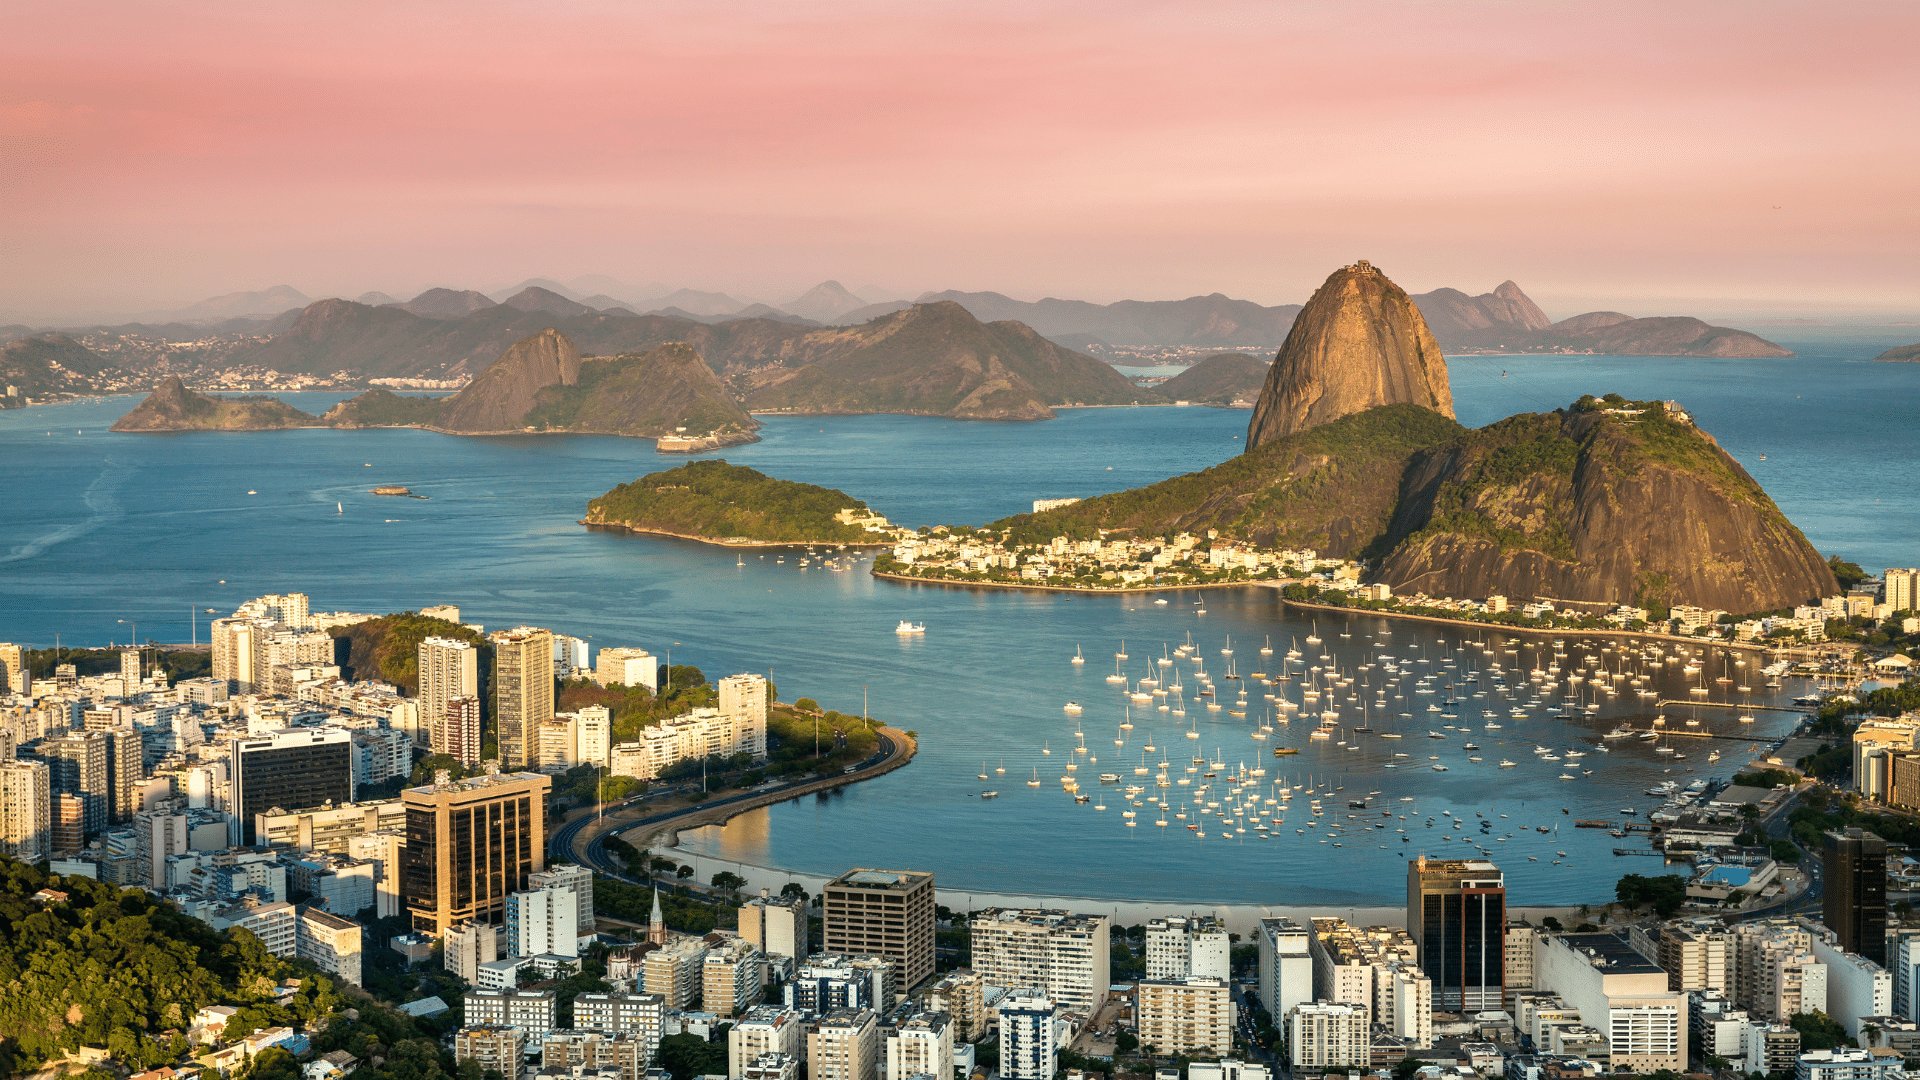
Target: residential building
x,y
1328,1035
1457,915
921,1045
330,829
1621,994
962,995
449,670
626,1056
1519,955
1185,1017
330,943
465,948
1029,1036
522,691
771,1067
763,1029
15,676
532,1011
626,666
1770,1048
844,1045
744,700
673,971
640,1015
827,981
576,880
1285,966
1858,990
471,843
26,810
1182,946
885,913
732,978
460,731
1848,1063
1854,905
543,921
1697,956
1227,1069
288,770
777,926
1064,954
1777,977
493,1047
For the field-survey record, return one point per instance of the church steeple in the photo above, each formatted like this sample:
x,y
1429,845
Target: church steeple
x,y
657,923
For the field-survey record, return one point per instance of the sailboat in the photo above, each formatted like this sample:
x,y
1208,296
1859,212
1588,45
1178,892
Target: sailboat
x,y
1077,658
339,508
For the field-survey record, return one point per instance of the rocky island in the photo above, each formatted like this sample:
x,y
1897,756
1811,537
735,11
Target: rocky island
x,y
1227,378
173,407
1906,354
1356,472
714,502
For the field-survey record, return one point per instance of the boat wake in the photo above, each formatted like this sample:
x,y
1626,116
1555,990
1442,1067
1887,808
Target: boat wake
x,y
102,500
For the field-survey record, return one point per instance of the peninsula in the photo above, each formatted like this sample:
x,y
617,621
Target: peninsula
x,y
1356,476
714,502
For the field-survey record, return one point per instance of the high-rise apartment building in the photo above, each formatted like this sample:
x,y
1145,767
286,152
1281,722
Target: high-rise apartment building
x,y
1854,907
1902,589
743,698
1457,915
885,913
470,844
763,1029
777,926
733,978
1328,1035
1185,1017
577,881
449,670
15,676
844,1045
1180,947
1285,966
522,691
1029,1036
622,666
543,921
26,810
1066,955
288,770
1697,956
921,1045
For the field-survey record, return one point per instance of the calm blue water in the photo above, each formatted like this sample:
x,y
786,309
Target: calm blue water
x,y
96,528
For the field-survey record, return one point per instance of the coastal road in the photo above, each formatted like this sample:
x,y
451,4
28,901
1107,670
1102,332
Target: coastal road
x,y
584,837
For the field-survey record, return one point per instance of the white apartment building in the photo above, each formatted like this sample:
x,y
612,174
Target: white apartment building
x,y
1619,993
764,1029
1066,955
26,810
449,669
1029,1036
1185,1016
922,1044
1377,967
1180,947
674,971
1776,975
577,880
1856,986
1227,1069
1329,1035
466,947
543,921
1285,966
627,666
529,1010
777,926
1848,1063
698,734
640,1015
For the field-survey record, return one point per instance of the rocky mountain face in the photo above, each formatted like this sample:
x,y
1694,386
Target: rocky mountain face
x,y
1608,501
649,395
936,360
499,398
173,407
1359,343
1453,316
1227,378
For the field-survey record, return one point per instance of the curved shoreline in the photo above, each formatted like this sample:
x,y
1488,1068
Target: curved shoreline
x,y
737,543
1021,585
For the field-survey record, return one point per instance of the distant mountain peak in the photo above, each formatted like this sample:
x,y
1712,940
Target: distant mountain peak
x,y
825,302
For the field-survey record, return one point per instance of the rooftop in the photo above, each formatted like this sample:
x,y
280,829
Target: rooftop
x,y
1611,953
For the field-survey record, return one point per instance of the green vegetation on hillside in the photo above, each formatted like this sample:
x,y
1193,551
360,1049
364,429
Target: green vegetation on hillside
x,y
380,407
172,407
652,394
179,663
713,500
1331,488
388,648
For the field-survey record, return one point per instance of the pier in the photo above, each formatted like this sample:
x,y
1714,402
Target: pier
x,y
1696,733
1805,710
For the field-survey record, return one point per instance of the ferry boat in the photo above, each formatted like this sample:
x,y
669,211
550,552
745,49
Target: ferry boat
x,y
906,628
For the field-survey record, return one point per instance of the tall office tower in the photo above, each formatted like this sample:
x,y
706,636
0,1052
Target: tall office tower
x,y
776,926
130,669
449,669
1854,863
471,843
458,735
1457,914
15,678
26,810
77,766
1903,589
522,691
292,770
887,913
1029,1036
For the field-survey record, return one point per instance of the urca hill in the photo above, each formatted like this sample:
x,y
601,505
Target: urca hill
x,y
1353,451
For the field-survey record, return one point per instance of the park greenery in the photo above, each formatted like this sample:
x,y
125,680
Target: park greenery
x,y
176,662
388,648
1663,894
720,502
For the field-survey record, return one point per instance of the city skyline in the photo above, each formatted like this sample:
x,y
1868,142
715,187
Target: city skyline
x,y
1720,160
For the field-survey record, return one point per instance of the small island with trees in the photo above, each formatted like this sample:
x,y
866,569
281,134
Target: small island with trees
x,y
714,502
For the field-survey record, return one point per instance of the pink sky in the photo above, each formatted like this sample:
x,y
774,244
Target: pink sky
x,y
1708,157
